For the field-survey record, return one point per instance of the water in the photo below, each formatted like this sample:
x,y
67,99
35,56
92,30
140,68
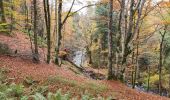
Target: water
x,y
142,89
79,58
139,88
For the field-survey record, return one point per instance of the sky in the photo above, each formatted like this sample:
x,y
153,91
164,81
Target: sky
x,y
81,3
78,4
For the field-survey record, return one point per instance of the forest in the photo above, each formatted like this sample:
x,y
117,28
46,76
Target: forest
x,y
84,49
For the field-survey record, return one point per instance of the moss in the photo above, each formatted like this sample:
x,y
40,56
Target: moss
x,y
4,49
4,28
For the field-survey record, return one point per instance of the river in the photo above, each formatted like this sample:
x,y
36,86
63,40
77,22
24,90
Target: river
x,y
80,57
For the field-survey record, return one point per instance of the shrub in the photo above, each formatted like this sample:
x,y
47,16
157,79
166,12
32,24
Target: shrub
x,y
4,27
59,96
11,91
15,92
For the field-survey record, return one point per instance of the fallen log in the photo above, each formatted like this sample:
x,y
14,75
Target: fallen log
x,y
79,68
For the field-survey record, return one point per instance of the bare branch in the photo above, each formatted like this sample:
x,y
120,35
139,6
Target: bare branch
x,y
65,19
83,8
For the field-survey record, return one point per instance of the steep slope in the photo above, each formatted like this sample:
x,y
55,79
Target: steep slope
x,y
20,67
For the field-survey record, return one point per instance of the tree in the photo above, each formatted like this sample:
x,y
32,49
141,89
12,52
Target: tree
x,y
3,23
166,56
163,49
100,37
128,28
12,16
102,24
136,32
56,31
110,41
48,28
2,16
59,29
161,57
60,25
36,55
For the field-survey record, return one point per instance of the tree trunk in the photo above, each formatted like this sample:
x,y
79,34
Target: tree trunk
x,y
27,26
133,71
148,87
131,30
31,21
89,51
26,15
48,27
122,29
12,17
161,59
59,36
137,65
36,55
160,69
48,34
51,8
129,33
160,65
169,85
89,55
2,16
60,25
136,37
110,53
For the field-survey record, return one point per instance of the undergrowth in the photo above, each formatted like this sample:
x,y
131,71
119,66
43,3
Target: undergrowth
x,y
12,91
77,88
81,85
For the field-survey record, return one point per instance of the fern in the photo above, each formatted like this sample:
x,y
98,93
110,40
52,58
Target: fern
x,y
24,98
38,96
87,97
58,96
3,96
17,90
4,24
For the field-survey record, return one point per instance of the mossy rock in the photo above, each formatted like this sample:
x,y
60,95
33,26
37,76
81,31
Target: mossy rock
x,y
4,49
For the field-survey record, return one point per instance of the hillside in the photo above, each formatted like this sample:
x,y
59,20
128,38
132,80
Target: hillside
x,y
19,67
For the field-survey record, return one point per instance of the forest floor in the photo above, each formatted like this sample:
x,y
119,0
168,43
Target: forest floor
x,y
20,67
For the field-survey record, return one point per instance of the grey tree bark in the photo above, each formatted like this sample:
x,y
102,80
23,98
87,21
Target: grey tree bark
x,y
110,42
59,28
